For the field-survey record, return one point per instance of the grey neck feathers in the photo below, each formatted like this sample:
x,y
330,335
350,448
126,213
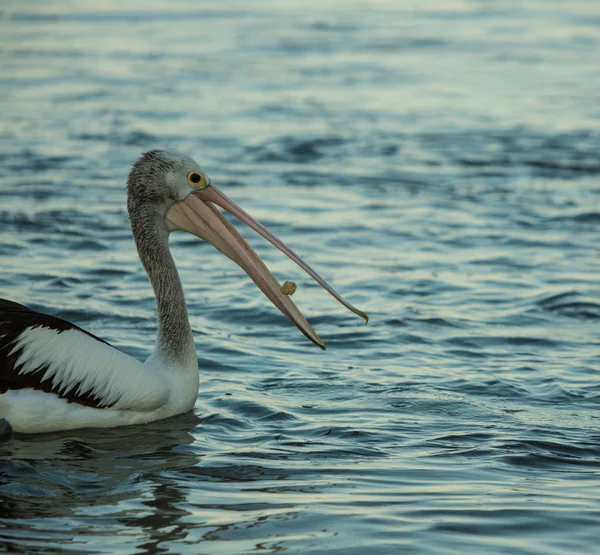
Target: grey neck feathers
x,y
174,342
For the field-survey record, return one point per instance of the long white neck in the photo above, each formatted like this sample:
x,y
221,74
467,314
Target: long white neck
x,y
174,341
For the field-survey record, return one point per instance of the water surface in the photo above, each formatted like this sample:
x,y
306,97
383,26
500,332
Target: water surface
x,y
437,162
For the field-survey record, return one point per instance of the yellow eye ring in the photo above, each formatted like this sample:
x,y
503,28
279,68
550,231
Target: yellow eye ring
x,y
196,179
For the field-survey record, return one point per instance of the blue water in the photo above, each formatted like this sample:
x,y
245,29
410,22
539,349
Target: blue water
x,y
437,162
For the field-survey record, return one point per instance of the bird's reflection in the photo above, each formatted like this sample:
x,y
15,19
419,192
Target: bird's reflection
x,y
164,521
160,483
56,475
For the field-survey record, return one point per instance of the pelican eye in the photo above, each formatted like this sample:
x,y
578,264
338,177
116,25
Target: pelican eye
x,y
196,179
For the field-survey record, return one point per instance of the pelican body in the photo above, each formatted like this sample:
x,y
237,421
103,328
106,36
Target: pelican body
x,y
56,376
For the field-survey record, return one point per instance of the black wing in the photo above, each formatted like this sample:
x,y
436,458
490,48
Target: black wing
x,y
14,320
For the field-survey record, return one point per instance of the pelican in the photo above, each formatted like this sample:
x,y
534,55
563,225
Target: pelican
x,y
56,376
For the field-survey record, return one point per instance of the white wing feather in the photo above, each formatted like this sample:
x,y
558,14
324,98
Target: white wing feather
x,y
73,357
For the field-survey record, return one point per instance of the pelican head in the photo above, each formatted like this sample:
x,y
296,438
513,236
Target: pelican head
x,y
168,191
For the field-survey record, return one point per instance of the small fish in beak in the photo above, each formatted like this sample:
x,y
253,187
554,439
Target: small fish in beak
x,y
288,288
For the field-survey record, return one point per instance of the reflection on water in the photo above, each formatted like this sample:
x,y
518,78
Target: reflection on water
x,y
437,162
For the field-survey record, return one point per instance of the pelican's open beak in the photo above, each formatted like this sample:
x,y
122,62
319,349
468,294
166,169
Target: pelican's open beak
x,y
197,214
